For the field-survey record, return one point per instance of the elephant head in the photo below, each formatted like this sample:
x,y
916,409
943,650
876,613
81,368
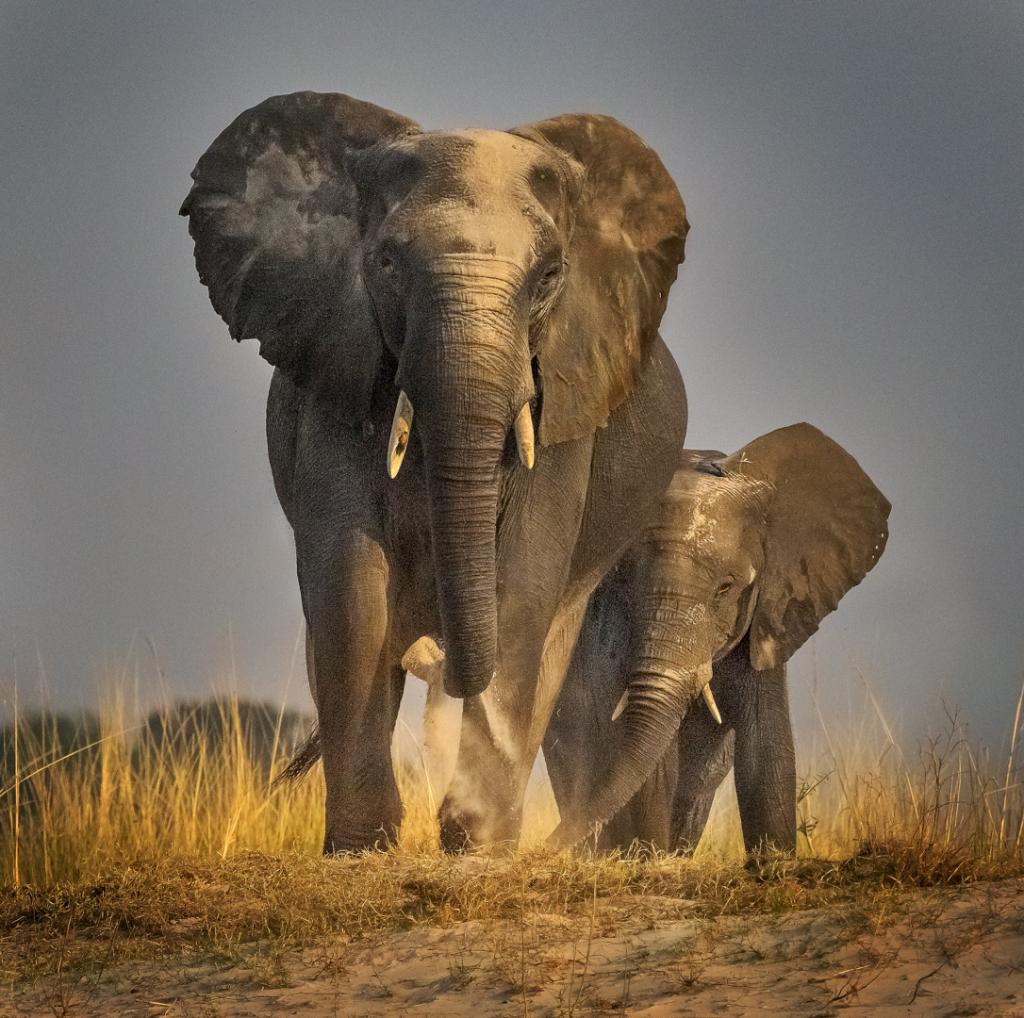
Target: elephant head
x,y
487,283
764,542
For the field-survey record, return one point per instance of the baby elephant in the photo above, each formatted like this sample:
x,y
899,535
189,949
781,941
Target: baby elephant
x,y
749,553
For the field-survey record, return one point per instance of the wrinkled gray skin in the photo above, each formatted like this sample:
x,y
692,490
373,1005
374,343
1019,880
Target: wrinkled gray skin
x,y
748,554
477,271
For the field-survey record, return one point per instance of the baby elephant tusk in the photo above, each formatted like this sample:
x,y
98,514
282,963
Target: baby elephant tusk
x,y
524,436
621,705
710,701
401,429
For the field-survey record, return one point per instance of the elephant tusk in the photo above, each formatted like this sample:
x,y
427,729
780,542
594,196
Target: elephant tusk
x,y
524,436
621,705
401,429
709,699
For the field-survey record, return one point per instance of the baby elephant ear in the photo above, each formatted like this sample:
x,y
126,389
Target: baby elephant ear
x,y
826,529
625,249
274,216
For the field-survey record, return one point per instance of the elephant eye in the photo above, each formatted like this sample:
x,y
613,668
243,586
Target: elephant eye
x,y
546,288
549,276
382,261
724,587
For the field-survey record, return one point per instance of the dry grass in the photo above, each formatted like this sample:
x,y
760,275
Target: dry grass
x,y
135,844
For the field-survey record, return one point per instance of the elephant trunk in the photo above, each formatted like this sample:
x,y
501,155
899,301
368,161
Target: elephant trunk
x,y
463,485
671,667
468,371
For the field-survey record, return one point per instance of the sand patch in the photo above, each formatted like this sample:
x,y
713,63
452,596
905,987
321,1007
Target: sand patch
x,y
936,952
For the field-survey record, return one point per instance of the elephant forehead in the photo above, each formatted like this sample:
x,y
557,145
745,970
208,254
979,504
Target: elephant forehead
x,y
710,512
497,158
701,525
476,164
475,193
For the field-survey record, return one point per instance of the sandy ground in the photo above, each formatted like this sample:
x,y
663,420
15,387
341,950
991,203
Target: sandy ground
x,y
950,952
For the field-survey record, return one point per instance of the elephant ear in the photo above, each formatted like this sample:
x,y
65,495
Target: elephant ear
x,y
275,219
626,245
826,529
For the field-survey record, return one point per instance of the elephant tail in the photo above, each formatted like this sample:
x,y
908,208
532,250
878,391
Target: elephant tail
x,y
302,762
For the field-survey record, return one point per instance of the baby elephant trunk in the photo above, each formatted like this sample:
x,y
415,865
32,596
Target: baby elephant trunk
x,y
671,668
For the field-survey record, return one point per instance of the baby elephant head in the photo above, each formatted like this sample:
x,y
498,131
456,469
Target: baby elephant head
x,y
766,542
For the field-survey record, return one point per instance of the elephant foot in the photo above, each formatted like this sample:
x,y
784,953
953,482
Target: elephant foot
x,y
455,836
768,862
466,830
378,835
348,844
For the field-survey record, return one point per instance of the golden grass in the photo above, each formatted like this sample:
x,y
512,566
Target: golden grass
x,y
182,844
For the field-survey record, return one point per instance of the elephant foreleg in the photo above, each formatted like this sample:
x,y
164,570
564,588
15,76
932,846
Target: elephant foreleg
x,y
502,728
357,689
705,757
442,719
580,738
765,766
503,734
646,819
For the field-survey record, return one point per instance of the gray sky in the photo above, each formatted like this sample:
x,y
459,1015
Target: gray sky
x,y
854,176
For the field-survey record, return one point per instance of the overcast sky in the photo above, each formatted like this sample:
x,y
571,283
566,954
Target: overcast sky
x,y
854,174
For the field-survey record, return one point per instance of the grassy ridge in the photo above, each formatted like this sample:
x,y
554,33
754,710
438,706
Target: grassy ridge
x,y
196,780
121,838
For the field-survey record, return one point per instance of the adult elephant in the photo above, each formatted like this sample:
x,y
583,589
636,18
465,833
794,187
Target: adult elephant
x,y
747,555
444,300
